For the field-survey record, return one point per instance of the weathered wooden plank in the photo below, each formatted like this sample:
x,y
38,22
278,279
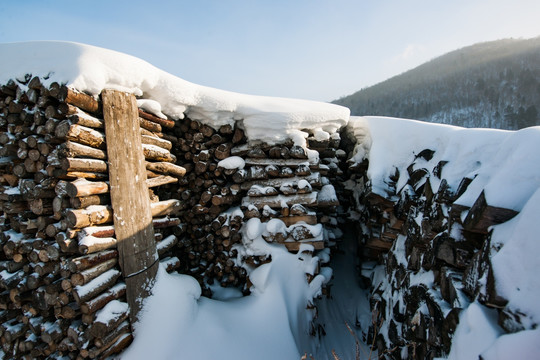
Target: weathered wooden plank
x,y
308,219
132,215
313,179
276,202
292,163
295,245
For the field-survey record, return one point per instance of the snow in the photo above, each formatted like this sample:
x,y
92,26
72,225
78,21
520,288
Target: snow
x,y
151,106
304,185
274,226
496,159
271,323
12,191
327,193
92,240
232,162
523,345
91,69
253,229
83,290
476,331
111,311
519,255
165,242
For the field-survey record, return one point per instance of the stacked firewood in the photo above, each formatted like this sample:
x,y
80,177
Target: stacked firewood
x,y
331,214
62,289
418,233
230,181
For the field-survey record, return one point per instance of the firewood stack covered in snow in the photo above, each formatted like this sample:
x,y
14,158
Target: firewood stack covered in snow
x,y
434,252
62,288
230,182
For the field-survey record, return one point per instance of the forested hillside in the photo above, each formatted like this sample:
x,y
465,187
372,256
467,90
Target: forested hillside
x,y
493,84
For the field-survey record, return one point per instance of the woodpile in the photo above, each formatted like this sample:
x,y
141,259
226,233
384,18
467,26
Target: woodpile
x,y
62,291
418,233
230,181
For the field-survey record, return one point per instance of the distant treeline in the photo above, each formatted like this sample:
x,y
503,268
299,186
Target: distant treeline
x,y
494,84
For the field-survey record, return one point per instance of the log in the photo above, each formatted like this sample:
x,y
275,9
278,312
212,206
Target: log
x,y
89,307
73,149
292,163
314,180
79,117
164,208
149,125
163,122
123,328
295,245
89,274
165,222
95,287
275,202
69,311
156,153
160,180
70,175
85,201
80,134
166,244
119,344
153,140
83,187
481,216
81,100
92,244
97,231
41,206
84,165
92,215
84,262
166,168
291,220
170,263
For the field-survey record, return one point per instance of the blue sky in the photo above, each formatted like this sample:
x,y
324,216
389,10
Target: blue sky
x,y
311,49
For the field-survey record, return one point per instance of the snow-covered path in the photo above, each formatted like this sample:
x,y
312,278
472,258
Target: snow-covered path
x,y
348,305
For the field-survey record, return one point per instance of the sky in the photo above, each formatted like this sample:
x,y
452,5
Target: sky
x,y
309,49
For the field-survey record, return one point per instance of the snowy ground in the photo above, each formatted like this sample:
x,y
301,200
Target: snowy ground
x,y
272,323
348,307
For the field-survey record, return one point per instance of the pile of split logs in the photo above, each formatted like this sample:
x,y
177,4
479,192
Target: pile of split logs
x,y
414,230
272,182
61,287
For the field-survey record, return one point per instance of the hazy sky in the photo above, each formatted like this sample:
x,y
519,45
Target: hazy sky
x,y
311,49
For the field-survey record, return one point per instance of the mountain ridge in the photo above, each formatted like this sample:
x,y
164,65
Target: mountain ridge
x,y
492,84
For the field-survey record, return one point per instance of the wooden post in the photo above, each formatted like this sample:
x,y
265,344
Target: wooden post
x,y
138,257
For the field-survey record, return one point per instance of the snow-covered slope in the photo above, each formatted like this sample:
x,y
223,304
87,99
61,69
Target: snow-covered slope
x,y
91,69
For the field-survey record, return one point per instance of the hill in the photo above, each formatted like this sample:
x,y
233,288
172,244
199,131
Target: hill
x,y
493,84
